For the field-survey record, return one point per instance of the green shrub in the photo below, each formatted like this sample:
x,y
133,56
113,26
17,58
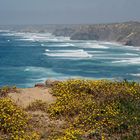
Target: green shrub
x,y
6,89
38,105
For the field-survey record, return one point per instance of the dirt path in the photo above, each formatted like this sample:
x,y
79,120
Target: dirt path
x,y
28,95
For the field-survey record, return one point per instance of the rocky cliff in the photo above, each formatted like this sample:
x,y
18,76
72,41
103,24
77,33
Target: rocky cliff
x,y
127,33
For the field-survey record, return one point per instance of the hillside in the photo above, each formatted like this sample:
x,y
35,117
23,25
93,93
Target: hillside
x,y
127,33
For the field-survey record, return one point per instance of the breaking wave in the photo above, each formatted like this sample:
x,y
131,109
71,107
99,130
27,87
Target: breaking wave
x,y
95,45
69,54
61,45
135,74
129,61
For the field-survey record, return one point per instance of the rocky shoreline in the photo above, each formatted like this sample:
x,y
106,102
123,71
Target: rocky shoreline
x,y
127,33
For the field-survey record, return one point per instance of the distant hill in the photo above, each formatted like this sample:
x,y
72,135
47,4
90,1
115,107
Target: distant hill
x,y
127,33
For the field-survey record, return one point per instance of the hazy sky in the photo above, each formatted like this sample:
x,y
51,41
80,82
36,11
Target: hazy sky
x,y
68,11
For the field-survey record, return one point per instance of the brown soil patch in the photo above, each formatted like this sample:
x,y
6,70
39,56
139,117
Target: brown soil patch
x,y
26,96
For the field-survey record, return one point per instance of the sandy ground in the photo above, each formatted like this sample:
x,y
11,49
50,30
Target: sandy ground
x,y
40,120
25,96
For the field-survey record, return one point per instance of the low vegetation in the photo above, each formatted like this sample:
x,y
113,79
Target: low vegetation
x,y
83,110
38,105
6,89
98,109
14,122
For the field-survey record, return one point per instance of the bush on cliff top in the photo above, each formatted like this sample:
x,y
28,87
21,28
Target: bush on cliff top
x,y
14,122
6,89
98,109
38,105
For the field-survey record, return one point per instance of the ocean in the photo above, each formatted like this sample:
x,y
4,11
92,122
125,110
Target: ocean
x,y
29,58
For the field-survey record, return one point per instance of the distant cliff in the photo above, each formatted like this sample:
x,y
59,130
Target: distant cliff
x,y
127,33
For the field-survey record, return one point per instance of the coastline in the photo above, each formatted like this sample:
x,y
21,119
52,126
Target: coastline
x,y
103,58
126,33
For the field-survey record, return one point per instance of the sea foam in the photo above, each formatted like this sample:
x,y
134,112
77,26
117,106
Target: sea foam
x,y
69,54
135,74
95,45
135,61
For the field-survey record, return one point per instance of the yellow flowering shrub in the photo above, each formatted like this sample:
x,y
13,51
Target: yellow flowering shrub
x,y
14,122
110,109
71,135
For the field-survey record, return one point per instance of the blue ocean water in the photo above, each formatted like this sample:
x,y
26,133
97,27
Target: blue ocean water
x,y
29,58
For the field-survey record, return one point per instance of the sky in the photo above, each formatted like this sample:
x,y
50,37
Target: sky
x,y
68,11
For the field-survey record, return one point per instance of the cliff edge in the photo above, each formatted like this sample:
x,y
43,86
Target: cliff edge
x,y
127,33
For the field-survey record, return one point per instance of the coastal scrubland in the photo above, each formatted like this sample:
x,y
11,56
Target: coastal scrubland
x,y
81,110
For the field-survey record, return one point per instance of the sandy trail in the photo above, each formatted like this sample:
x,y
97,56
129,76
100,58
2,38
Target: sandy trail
x,y
28,95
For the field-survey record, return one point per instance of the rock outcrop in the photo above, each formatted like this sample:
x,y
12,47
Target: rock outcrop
x,y
40,85
49,83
